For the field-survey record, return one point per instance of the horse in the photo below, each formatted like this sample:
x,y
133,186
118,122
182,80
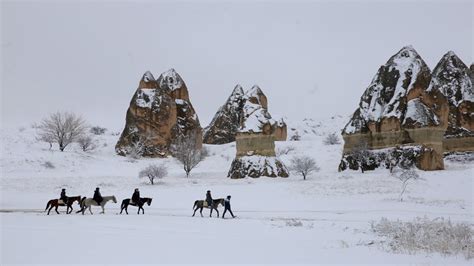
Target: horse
x,y
55,203
88,202
138,204
199,204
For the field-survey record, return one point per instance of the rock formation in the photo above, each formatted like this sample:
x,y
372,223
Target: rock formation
x,y
232,116
255,139
454,80
397,109
160,112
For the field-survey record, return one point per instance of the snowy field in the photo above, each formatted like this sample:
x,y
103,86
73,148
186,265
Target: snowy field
x,y
325,219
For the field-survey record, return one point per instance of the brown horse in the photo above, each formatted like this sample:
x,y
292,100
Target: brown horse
x,y
54,203
200,204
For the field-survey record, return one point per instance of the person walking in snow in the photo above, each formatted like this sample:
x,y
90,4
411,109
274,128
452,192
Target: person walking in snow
x,y
97,196
136,197
209,198
227,207
63,196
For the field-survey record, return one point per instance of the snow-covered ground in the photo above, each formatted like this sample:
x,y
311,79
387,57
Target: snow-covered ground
x,y
325,219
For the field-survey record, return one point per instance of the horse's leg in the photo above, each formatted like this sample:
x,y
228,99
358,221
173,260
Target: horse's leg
x,y
103,210
50,208
90,209
210,215
57,209
217,212
195,211
138,209
201,211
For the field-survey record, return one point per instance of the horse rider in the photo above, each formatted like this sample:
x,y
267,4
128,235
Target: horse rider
x,y
209,198
136,196
227,207
97,196
63,196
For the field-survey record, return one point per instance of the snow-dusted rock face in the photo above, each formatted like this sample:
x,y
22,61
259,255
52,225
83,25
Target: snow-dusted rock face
x,y
159,113
243,113
257,166
398,108
226,121
454,80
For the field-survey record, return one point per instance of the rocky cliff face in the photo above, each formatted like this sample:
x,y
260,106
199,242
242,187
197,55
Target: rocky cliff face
x,y
255,137
397,108
453,79
243,112
160,112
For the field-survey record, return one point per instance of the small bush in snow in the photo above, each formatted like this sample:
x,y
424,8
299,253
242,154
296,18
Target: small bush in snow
x,y
86,143
405,176
303,165
295,137
153,172
48,165
62,128
98,130
437,235
284,150
332,139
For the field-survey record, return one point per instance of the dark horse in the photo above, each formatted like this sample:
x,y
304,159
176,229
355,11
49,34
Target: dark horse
x,y
139,204
200,204
55,203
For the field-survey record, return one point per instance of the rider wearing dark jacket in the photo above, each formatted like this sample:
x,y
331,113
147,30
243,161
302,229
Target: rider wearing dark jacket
x,y
97,196
227,207
209,198
136,196
63,196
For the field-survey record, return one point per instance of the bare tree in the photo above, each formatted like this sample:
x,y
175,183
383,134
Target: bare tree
x,y
62,128
405,176
361,154
187,152
86,143
296,137
46,138
303,165
284,150
153,172
332,139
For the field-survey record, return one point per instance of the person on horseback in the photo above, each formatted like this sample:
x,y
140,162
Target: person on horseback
x,y
209,198
63,196
136,197
227,207
97,196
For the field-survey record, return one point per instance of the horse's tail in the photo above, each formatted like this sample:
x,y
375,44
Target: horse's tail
x,y
82,202
47,205
123,204
195,203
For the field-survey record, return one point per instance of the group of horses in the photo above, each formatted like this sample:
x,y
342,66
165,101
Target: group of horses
x,y
87,203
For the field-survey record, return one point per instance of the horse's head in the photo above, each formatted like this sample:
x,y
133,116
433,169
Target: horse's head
x,y
78,198
148,201
114,199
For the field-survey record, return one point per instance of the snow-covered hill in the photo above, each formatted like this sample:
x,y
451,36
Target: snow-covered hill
x,y
323,219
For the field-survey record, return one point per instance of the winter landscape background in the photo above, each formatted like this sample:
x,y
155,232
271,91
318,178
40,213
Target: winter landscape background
x,y
312,59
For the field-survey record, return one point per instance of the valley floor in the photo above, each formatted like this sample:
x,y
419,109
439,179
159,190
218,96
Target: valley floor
x,y
325,219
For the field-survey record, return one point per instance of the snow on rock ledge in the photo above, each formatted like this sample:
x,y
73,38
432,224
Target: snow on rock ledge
x,y
257,166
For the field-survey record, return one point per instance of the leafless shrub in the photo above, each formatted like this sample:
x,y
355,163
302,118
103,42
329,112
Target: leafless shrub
x,y
295,137
62,128
303,165
405,176
422,234
284,150
96,130
294,223
86,143
186,151
153,172
332,139
48,165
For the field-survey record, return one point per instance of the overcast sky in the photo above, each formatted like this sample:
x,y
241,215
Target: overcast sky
x,y
311,59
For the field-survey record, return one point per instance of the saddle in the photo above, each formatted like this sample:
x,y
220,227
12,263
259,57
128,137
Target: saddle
x,y
60,201
204,204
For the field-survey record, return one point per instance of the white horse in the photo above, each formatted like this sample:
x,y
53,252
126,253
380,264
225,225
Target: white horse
x,y
88,202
